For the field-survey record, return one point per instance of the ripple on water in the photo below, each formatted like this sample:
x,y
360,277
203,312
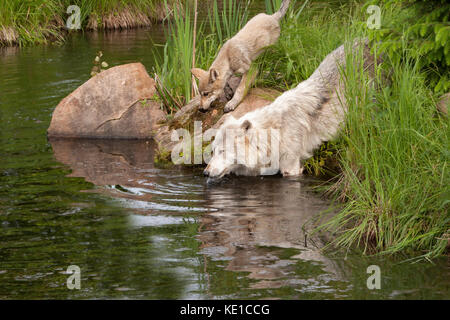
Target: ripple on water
x,y
139,221
159,206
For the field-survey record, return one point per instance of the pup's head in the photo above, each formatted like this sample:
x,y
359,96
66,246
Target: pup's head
x,y
234,150
210,85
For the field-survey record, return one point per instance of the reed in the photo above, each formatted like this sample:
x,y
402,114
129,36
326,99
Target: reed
x,y
394,183
272,6
173,67
174,64
38,21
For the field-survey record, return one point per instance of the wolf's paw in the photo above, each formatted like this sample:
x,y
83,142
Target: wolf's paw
x,y
230,106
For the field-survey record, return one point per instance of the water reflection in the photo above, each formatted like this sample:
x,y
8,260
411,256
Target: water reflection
x,y
105,162
257,217
260,227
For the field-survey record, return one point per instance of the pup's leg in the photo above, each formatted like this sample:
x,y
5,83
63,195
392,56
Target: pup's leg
x,y
290,166
238,95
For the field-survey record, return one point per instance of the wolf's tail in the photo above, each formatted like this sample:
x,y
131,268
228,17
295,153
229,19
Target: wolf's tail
x,y
283,9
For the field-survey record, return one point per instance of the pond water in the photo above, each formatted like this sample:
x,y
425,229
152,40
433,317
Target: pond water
x,y
137,231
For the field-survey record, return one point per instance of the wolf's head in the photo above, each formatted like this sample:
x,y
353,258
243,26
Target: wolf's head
x,y
210,84
237,149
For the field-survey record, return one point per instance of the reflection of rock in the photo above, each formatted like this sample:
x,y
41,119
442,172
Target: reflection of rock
x,y
105,162
249,223
113,104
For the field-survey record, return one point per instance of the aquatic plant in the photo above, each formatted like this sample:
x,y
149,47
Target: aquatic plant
x,y
173,67
394,183
38,21
31,21
272,5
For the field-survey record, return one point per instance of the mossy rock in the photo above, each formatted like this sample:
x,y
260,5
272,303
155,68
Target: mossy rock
x,y
213,118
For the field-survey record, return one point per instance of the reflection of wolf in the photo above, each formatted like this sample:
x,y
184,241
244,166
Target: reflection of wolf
x,y
305,117
255,223
236,55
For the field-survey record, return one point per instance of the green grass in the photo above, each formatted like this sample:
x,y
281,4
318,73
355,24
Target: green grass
x,y
393,181
38,21
308,35
34,21
394,154
174,66
272,6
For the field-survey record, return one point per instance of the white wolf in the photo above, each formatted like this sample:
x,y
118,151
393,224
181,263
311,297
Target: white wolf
x,y
304,117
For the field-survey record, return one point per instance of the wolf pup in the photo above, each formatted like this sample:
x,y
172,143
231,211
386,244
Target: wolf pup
x,y
236,56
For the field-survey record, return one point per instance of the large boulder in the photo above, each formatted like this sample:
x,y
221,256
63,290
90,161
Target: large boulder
x,y
115,104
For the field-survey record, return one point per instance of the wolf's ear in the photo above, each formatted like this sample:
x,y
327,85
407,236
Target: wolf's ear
x,y
199,73
226,120
213,75
246,125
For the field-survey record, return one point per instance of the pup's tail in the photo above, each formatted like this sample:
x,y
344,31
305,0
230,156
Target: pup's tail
x,y
283,9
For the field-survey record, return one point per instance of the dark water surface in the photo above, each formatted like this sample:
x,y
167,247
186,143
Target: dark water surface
x,y
141,232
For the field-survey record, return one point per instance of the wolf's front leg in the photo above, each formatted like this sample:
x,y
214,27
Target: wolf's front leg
x,y
238,95
290,167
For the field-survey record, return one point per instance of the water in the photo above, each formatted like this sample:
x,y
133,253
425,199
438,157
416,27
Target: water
x,y
137,231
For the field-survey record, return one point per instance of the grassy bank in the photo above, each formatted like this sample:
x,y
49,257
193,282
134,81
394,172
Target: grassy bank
x,y
389,166
393,153
38,21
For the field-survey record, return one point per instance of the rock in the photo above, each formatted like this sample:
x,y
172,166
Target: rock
x,y
184,115
115,104
213,118
255,99
443,103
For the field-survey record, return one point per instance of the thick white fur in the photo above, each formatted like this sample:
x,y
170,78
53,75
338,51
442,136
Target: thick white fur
x,y
305,116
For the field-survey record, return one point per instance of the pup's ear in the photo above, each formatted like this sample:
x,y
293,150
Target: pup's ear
x,y
213,75
246,125
199,73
